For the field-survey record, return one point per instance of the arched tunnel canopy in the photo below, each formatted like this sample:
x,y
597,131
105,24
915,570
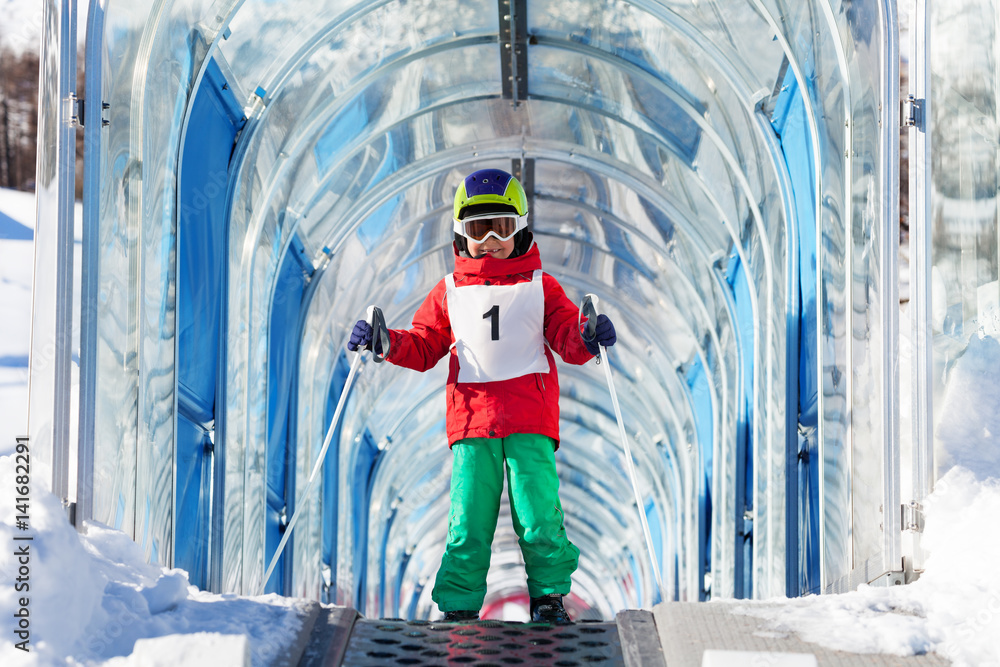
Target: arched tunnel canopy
x,y
700,166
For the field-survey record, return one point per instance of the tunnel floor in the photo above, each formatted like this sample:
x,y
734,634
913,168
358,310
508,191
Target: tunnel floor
x,y
482,644
340,636
674,634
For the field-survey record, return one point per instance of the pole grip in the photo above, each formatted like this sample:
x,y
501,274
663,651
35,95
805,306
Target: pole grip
x,y
588,310
380,334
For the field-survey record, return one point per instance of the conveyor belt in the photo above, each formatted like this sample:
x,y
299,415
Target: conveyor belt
x,y
342,637
674,634
389,642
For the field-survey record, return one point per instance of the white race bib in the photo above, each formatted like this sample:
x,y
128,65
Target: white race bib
x,y
498,329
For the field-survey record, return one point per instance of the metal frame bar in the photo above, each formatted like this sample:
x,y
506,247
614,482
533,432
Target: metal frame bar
x,y
216,562
889,186
792,333
523,169
732,450
52,321
920,143
513,23
811,116
64,257
90,260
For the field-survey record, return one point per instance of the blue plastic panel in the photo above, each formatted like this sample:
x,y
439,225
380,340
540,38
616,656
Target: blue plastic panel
x,y
215,119
283,353
330,469
365,458
202,221
194,502
790,123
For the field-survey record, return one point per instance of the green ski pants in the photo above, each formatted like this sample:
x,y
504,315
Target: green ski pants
x,y
533,488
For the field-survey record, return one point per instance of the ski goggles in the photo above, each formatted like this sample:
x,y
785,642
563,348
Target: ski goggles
x,y
502,226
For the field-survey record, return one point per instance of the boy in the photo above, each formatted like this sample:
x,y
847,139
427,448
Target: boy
x,y
498,316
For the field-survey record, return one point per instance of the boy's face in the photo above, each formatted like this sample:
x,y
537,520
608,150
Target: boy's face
x,y
491,247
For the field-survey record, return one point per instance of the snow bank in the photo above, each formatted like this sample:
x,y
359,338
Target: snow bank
x,y
954,608
17,257
93,597
200,649
969,431
17,223
16,208
960,589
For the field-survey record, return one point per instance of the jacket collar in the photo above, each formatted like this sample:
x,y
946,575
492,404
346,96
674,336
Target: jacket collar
x,y
488,267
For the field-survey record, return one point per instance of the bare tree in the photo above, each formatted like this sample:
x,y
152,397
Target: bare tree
x,y
18,118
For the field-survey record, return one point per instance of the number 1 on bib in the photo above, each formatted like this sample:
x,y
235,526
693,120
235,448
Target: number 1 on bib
x,y
494,315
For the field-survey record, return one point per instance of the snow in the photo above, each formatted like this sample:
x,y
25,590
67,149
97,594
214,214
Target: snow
x,y
17,224
971,409
93,599
17,256
17,209
953,609
198,649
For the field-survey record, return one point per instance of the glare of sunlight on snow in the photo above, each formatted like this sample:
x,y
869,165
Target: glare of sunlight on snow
x,y
93,597
17,223
953,609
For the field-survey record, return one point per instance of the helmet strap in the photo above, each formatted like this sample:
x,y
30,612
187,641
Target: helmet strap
x,y
462,245
522,243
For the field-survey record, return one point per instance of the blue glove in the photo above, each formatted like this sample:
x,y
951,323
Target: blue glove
x,y
361,337
603,335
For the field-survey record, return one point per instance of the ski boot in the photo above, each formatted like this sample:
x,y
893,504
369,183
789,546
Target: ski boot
x,y
549,609
461,616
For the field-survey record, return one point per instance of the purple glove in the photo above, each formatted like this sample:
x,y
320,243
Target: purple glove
x,y
603,335
361,337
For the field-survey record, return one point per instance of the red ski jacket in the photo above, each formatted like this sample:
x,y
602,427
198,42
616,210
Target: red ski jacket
x,y
526,404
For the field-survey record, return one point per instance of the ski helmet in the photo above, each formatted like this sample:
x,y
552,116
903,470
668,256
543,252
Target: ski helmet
x,y
489,187
491,191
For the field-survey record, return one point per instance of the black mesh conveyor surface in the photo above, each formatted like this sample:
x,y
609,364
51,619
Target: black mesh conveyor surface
x,y
389,642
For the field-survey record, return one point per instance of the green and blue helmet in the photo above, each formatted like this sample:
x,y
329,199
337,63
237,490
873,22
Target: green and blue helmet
x,y
491,191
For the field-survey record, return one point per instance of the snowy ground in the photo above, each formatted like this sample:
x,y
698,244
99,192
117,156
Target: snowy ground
x,y
93,599
17,222
92,596
954,608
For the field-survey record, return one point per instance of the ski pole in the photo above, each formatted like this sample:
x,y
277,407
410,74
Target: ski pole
x,y
378,329
589,310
